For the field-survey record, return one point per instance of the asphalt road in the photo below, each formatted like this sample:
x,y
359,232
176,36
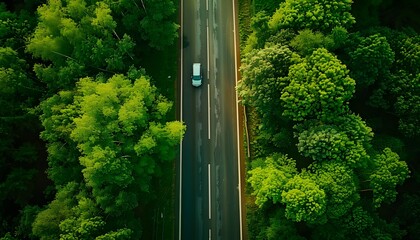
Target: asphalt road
x,y
209,205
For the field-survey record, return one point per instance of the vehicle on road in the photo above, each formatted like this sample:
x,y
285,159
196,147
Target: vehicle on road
x,y
197,77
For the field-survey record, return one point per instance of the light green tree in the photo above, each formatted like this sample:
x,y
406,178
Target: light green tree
x,y
307,41
269,178
304,200
320,88
321,15
123,138
340,185
388,172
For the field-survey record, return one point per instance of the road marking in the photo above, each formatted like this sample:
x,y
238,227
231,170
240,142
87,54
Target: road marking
x,y
209,234
237,122
180,141
209,193
208,108
208,47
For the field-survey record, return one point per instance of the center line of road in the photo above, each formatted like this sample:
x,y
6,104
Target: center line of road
x,y
208,108
209,194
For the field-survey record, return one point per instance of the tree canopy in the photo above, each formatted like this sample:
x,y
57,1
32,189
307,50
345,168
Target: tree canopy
x,y
320,87
321,15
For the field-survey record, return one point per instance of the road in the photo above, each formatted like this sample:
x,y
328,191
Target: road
x,y
209,186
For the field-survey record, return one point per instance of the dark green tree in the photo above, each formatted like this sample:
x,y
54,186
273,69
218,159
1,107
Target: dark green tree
x,y
371,59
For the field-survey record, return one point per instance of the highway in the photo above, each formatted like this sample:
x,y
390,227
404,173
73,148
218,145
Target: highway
x,y
208,175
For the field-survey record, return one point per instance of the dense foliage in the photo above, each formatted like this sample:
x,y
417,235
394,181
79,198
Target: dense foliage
x,y
86,136
318,82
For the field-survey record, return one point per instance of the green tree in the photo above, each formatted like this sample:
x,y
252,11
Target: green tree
x,y
304,200
340,185
409,55
346,140
264,76
78,39
46,224
260,32
56,117
407,105
281,228
320,87
371,59
123,137
158,24
307,41
321,15
269,179
20,149
387,172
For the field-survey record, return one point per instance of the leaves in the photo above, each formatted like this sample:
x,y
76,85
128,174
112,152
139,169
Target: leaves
x,y
320,88
321,15
118,135
269,180
304,200
339,183
388,172
372,58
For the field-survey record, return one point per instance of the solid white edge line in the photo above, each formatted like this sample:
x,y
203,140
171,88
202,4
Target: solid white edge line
x,y
209,192
237,122
181,119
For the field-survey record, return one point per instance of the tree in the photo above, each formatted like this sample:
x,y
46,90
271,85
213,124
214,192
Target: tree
x,y
123,138
321,15
281,228
158,26
112,137
407,104
77,39
304,200
56,117
340,185
346,139
46,224
320,88
264,75
260,32
20,149
409,58
371,59
307,41
269,179
388,172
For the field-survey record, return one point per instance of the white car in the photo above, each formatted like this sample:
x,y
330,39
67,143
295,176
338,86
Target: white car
x,y
196,76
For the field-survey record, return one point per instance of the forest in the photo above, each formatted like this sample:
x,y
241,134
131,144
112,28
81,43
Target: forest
x,y
88,130
332,96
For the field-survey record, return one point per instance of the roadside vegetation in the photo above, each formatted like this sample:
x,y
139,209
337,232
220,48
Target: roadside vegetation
x,y
332,96
88,130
